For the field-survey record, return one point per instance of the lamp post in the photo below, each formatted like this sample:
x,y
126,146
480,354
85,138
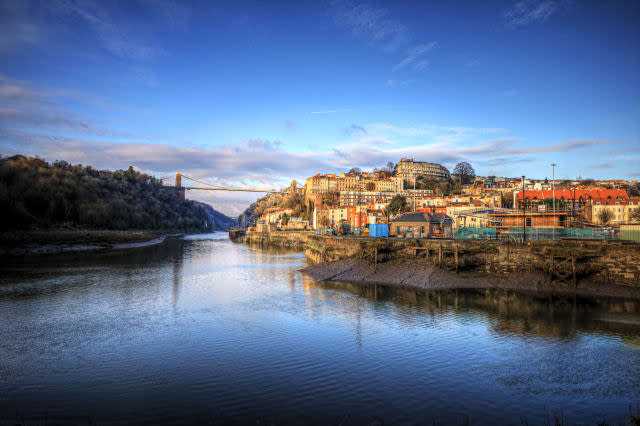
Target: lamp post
x,y
553,188
524,215
553,185
414,190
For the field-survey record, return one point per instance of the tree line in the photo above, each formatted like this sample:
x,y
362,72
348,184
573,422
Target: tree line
x,y
36,194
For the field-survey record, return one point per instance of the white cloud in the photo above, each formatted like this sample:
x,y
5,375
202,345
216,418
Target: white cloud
x,y
370,23
414,57
399,83
528,11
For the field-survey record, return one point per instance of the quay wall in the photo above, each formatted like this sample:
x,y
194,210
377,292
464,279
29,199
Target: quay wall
x,y
559,263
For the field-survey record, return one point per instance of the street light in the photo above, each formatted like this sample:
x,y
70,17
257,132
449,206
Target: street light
x,y
524,215
414,190
553,185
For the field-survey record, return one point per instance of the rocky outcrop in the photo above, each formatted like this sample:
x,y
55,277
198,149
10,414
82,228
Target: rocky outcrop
x,y
218,221
247,217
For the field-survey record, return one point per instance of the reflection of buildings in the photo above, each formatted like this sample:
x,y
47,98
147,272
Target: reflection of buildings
x,y
506,311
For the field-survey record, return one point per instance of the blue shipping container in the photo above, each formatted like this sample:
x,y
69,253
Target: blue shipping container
x,y
378,230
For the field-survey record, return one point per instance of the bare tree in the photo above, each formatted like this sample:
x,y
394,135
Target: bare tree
x,y
370,186
605,216
391,168
464,172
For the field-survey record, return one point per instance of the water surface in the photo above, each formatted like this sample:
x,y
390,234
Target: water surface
x,y
205,330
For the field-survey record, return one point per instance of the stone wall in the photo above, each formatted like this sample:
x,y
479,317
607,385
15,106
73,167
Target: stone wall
x,y
561,262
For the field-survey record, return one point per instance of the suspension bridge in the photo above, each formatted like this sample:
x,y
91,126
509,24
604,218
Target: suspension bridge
x,y
177,184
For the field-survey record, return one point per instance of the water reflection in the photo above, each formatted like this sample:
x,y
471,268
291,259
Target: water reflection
x,y
508,311
204,330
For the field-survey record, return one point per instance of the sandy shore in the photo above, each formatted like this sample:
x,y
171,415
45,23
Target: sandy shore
x,y
427,276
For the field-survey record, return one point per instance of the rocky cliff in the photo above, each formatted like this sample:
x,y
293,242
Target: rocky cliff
x,y
219,221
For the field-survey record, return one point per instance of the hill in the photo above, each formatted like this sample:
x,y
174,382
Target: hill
x,y
288,199
37,195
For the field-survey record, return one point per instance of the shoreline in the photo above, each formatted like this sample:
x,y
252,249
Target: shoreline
x,y
570,267
403,273
55,242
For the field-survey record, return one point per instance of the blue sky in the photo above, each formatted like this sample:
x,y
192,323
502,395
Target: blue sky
x,y
258,93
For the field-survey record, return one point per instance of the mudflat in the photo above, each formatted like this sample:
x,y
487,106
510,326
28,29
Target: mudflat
x,y
400,272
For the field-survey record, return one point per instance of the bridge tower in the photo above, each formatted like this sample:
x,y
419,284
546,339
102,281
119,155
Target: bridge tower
x,y
179,188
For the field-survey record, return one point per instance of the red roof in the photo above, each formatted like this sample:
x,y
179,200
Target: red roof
x,y
567,194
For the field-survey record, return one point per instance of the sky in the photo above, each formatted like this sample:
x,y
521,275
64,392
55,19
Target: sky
x,y
254,94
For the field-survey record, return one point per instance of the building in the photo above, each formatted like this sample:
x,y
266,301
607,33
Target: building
x,y
408,170
470,217
266,227
579,196
421,225
297,224
321,184
355,198
620,211
516,219
274,214
336,215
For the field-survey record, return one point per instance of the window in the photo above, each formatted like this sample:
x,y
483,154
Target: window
x,y
528,221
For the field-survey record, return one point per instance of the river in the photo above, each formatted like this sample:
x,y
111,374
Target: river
x,y
201,329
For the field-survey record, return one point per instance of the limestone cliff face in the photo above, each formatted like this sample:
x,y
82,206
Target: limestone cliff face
x,y
217,220
247,217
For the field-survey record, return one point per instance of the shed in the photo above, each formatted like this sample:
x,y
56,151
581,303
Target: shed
x,y
420,224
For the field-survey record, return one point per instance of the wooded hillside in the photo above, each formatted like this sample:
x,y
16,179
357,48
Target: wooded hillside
x,y
37,195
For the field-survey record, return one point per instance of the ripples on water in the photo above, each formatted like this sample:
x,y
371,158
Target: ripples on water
x,y
204,330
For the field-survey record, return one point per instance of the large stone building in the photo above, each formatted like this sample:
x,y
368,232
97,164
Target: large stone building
x,y
409,170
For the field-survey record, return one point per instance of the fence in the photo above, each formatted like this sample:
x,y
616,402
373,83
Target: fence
x,y
518,234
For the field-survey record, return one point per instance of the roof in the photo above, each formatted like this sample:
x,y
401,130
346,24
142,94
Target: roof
x,y
567,194
421,217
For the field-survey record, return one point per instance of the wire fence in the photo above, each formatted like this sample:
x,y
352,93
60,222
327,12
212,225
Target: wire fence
x,y
520,234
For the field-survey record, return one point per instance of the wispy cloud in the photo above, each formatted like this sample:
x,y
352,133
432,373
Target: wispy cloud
x,y
414,58
27,107
115,36
529,11
34,23
398,83
355,129
603,166
370,23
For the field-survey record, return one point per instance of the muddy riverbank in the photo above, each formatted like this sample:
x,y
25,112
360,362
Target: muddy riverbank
x,y
54,242
402,272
